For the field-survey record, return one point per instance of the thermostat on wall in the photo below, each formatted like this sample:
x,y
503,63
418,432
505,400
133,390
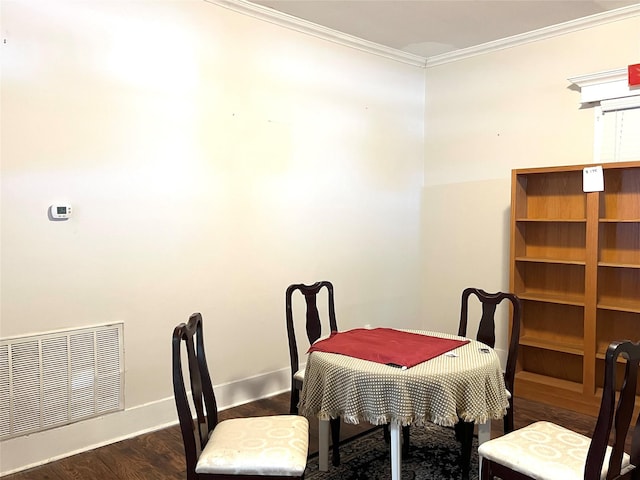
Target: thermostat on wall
x,y
60,211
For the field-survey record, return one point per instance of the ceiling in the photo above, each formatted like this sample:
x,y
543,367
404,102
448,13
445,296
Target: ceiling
x,y
433,27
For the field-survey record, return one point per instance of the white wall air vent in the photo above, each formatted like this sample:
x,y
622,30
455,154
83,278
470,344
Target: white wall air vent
x,y
53,379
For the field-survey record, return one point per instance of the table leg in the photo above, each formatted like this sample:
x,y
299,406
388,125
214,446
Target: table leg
x,y
323,445
396,451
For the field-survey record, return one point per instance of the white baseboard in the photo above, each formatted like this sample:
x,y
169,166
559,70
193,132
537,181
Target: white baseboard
x,y
28,451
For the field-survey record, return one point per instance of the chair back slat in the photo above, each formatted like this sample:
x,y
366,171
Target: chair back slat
x,y
195,436
486,327
313,323
196,389
616,415
208,395
182,403
489,302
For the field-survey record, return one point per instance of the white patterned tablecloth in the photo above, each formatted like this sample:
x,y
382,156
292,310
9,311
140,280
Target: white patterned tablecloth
x,y
468,386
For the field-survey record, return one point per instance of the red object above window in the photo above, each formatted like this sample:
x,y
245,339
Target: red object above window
x,y
634,75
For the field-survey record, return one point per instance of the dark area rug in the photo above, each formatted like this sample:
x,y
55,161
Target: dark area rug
x,y
434,455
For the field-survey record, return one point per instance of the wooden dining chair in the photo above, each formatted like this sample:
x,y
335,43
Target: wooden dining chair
x,y
486,334
313,327
274,447
546,451
314,330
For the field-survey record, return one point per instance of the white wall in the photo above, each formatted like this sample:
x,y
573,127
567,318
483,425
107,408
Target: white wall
x,y
211,160
489,114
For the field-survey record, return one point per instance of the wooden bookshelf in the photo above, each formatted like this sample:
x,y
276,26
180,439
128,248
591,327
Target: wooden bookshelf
x,y
575,264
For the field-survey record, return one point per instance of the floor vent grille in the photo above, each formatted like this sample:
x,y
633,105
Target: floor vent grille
x,y
58,378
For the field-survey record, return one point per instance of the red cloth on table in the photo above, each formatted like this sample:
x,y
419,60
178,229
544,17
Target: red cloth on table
x,y
386,345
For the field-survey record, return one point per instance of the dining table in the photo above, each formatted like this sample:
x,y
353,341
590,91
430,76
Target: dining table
x,y
381,376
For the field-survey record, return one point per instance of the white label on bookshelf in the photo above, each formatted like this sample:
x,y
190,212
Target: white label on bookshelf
x,y
592,179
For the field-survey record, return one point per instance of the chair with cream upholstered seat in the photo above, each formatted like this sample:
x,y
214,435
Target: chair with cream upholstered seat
x,y
313,328
546,451
274,447
486,334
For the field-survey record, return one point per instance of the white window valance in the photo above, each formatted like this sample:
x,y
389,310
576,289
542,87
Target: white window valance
x,y
617,114
596,87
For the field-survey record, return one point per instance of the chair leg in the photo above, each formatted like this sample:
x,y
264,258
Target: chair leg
x,y
508,418
295,398
485,473
458,429
466,437
386,434
406,440
335,440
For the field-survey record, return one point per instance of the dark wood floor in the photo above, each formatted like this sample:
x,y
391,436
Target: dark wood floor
x,y
160,455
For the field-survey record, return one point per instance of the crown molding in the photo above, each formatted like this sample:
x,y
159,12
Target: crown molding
x,y
536,35
288,21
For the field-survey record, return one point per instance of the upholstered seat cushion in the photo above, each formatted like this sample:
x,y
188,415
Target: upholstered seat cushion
x,y
273,445
299,375
544,451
